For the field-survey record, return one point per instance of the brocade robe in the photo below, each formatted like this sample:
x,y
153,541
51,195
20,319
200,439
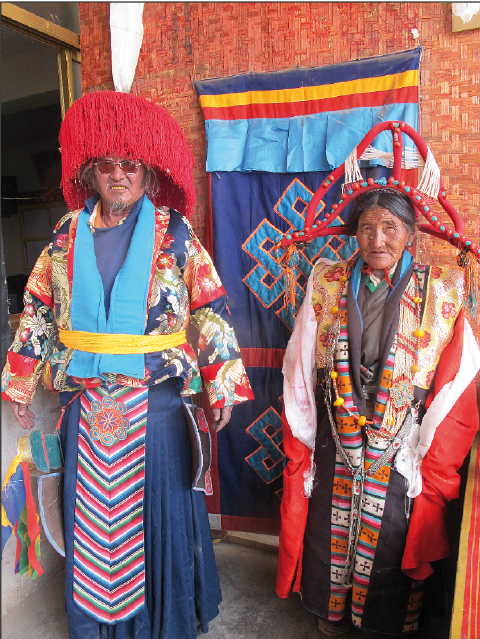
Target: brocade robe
x,y
184,293
390,554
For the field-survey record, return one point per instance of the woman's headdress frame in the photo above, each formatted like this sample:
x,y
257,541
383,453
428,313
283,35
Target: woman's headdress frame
x,y
429,189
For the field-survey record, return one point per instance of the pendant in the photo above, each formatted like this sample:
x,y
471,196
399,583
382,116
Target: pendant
x,y
402,393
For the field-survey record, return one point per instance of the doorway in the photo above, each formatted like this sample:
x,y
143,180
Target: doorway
x,y
40,79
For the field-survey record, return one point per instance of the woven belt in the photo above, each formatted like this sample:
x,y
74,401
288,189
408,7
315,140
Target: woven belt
x,y
112,344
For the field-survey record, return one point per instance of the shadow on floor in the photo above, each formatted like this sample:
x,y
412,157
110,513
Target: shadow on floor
x,y
250,608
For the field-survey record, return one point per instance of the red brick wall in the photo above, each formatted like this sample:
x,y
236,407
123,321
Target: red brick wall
x,y
190,41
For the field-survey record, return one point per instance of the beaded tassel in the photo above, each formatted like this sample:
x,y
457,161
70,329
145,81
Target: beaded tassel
x,y
288,262
469,262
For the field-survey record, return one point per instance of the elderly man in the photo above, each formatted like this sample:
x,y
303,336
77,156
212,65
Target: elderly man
x,y
106,311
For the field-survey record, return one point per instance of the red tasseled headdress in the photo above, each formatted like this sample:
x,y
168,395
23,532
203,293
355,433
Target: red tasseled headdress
x,y
107,122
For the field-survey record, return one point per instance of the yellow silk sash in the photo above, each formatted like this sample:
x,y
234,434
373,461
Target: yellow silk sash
x,y
112,344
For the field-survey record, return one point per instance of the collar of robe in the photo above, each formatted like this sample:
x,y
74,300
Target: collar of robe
x,y
128,301
361,267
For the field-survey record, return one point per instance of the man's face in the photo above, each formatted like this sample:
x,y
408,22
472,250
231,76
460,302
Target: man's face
x,y
119,190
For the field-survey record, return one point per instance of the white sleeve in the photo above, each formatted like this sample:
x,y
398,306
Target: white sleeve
x,y
300,373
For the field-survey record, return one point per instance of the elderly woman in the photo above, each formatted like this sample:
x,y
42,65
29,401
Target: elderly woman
x,y
380,335
107,307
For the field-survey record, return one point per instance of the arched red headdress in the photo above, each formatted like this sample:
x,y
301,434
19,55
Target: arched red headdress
x,y
107,122
430,188
421,197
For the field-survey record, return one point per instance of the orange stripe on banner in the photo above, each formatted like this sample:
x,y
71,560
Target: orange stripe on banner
x,y
310,107
314,92
262,357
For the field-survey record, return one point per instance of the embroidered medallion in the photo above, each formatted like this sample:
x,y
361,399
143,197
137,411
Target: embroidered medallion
x,y
106,421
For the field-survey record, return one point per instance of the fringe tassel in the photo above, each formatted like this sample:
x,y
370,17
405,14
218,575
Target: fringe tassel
x,y
352,170
469,262
429,185
410,160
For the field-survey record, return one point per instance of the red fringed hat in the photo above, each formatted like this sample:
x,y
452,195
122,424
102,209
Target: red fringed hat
x,y
107,122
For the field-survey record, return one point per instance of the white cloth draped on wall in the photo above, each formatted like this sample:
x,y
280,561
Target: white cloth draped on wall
x,y
126,29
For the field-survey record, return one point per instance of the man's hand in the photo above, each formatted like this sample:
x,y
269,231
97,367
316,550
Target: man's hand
x,y
221,417
23,415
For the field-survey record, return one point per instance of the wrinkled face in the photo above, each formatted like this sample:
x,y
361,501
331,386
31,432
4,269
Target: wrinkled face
x,y
118,190
381,238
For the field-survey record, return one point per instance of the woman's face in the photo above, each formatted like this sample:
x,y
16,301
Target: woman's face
x,y
381,238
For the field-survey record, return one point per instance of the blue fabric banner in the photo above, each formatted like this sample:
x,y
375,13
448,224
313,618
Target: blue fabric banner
x,y
251,212
307,119
272,140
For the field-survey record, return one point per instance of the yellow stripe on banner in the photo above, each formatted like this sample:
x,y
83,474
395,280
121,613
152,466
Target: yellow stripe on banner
x,y
305,94
111,344
468,522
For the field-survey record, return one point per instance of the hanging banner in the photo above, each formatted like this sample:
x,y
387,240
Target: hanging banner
x,y
272,138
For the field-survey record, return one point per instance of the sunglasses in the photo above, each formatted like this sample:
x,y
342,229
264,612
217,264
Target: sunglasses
x,y
129,167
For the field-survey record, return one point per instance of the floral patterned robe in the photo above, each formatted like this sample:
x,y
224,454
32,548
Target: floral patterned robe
x,y
185,294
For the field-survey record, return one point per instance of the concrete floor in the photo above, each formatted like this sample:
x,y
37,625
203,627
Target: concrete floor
x,y
250,608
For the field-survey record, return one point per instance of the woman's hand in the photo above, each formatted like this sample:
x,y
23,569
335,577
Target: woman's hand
x,y
23,415
221,417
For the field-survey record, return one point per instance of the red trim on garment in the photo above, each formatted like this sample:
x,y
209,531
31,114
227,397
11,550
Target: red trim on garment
x,y
251,524
207,296
20,366
293,510
244,391
46,299
427,537
262,357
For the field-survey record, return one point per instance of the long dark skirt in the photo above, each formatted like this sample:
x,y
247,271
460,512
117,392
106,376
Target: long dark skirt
x,y
181,580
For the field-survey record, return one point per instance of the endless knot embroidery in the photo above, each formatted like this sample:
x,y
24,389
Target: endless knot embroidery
x,y
268,460
402,393
106,421
267,279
